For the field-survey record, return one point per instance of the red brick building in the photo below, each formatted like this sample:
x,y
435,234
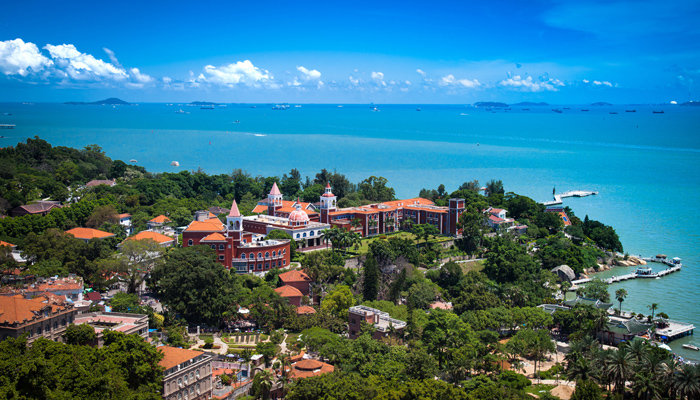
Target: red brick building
x,y
297,279
290,293
382,322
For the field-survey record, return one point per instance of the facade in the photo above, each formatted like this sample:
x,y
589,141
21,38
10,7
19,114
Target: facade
x,y
129,324
381,321
45,316
187,375
38,208
85,234
290,293
125,221
497,219
69,288
236,248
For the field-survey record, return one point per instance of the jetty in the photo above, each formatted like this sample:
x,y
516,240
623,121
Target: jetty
x,y
571,193
674,265
7,126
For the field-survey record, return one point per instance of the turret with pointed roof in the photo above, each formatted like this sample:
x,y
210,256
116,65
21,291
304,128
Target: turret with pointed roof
x,y
274,200
328,204
234,223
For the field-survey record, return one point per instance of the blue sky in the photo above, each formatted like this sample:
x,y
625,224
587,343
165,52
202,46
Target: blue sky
x,y
351,52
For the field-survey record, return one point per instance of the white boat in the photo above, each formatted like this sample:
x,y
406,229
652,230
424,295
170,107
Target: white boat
x,y
175,164
181,112
340,106
645,272
691,347
297,106
375,109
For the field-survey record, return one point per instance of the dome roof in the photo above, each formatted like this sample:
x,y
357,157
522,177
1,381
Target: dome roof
x,y
298,216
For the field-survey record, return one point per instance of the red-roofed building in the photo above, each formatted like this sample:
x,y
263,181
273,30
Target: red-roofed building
x,y
38,208
303,368
158,223
128,324
297,279
86,234
44,316
305,310
291,293
163,240
187,375
562,214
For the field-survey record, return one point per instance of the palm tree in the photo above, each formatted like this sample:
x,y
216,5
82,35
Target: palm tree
x,y
620,295
601,321
653,307
265,380
581,369
619,366
640,351
645,386
373,223
686,382
355,223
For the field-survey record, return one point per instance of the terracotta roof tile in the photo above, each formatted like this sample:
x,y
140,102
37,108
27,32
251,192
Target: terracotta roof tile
x,y
288,291
305,310
38,207
259,209
161,219
172,356
214,237
307,368
89,233
294,276
210,225
18,309
124,215
98,182
7,244
160,238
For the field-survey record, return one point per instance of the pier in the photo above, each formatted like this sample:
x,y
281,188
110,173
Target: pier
x,y
632,275
571,193
7,126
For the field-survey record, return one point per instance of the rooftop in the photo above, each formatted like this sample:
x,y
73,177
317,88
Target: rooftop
x,y
114,321
288,291
161,219
172,356
17,309
158,237
294,276
89,233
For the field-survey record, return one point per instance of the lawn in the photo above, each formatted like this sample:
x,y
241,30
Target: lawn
x,y
364,245
539,389
291,338
472,266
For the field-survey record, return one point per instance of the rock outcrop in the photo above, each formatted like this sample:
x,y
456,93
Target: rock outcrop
x,y
565,273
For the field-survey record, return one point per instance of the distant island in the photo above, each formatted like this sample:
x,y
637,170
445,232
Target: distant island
x,y
489,104
112,101
529,103
601,103
202,103
691,103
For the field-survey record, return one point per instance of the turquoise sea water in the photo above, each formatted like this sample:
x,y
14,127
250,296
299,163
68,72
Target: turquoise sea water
x,y
645,166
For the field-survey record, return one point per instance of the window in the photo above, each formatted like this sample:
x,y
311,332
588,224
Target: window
x,y
198,388
298,236
48,328
191,390
274,253
186,380
252,256
304,234
284,262
284,251
267,265
267,254
279,264
221,247
38,331
352,321
179,396
55,325
213,247
221,257
189,242
243,256
179,381
259,265
311,233
198,377
259,255
192,376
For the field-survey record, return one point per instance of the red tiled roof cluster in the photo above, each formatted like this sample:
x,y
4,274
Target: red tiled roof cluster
x,y
294,276
288,291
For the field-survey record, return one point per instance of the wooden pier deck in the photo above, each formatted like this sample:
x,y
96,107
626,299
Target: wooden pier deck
x,y
632,275
571,193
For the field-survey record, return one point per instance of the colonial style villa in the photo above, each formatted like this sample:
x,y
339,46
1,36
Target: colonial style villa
x,y
187,374
85,234
45,316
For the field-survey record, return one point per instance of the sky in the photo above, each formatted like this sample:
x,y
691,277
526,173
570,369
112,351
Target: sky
x,y
561,52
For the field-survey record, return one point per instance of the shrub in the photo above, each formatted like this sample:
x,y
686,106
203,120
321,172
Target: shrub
x,y
208,343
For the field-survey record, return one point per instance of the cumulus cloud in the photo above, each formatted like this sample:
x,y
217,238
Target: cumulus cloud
x,y
111,56
240,73
420,71
309,75
530,85
20,58
377,76
307,78
83,67
603,83
450,80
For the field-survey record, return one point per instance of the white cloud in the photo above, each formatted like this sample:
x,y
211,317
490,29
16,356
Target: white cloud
x,y
242,72
377,76
450,80
604,83
529,85
167,79
20,58
111,56
420,71
309,75
586,81
83,67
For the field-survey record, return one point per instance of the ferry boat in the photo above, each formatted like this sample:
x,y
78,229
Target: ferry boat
x,y
556,110
417,109
691,347
658,112
236,122
645,272
583,110
630,110
280,107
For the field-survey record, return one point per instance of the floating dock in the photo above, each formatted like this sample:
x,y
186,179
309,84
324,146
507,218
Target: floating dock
x,y
571,193
673,267
7,126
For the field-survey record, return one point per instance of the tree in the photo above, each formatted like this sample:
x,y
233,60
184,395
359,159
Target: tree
x,y
471,222
370,278
338,302
494,187
506,261
268,351
587,390
262,383
652,307
618,367
80,334
136,259
620,295
102,214
596,289
194,285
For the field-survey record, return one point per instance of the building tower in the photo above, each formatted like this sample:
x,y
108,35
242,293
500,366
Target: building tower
x,y
456,209
234,224
274,200
328,204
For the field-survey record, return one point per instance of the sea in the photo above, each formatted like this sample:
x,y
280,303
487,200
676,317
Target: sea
x,y
645,166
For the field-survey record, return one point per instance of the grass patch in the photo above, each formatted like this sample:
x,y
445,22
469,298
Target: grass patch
x,y
291,338
472,266
537,389
203,336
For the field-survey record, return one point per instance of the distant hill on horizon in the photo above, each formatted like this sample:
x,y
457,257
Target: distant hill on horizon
x,y
601,103
530,103
691,103
202,103
112,101
489,104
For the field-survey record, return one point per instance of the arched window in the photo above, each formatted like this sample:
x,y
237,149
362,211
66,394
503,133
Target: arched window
x,y
267,254
298,236
284,251
213,247
274,253
221,247
55,325
191,375
311,233
304,234
63,322
259,255
252,256
243,256
189,242
198,378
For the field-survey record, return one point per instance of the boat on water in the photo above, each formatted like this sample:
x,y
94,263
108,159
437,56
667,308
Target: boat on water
x,y
613,112
567,108
236,122
556,110
630,110
181,112
375,109
280,107
691,347
526,109
658,112
6,114
297,106
340,106
253,107
175,164
417,109
583,110
645,272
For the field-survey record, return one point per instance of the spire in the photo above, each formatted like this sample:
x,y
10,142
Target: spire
x,y
328,185
298,205
234,210
275,190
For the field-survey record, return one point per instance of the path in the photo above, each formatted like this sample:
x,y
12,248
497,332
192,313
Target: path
x,y
223,347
